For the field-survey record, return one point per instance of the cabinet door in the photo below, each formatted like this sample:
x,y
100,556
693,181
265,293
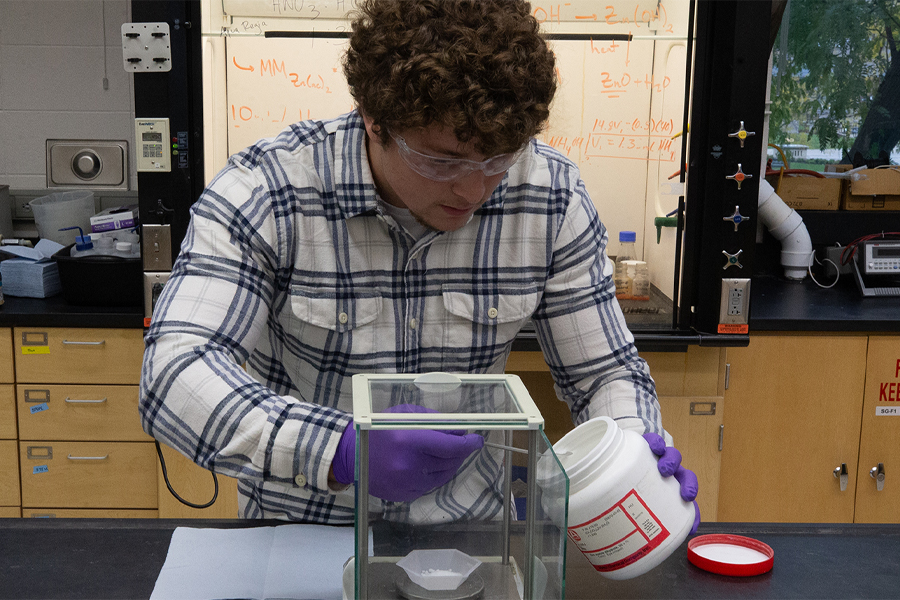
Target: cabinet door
x,y
61,355
79,413
88,474
7,372
9,473
694,425
880,439
794,410
7,412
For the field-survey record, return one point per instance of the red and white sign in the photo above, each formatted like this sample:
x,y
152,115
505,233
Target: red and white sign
x,y
621,536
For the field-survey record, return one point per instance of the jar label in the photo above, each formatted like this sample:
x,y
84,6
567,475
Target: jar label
x,y
621,536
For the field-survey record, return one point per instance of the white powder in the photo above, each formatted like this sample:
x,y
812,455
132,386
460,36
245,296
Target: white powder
x,y
439,572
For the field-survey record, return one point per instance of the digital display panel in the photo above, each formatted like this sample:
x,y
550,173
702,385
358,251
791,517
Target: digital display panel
x,y
151,136
886,251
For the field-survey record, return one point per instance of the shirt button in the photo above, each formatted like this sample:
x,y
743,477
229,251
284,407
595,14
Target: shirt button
x,y
300,480
413,323
492,313
343,318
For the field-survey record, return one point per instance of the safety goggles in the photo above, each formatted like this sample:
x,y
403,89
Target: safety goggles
x,y
438,168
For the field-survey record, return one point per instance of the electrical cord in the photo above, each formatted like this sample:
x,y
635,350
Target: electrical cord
x,y
162,464
852,246
837,269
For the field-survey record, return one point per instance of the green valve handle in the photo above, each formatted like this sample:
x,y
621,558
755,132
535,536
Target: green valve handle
x,y
661,222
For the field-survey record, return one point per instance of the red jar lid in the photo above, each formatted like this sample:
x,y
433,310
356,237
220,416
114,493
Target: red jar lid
x,y
728,554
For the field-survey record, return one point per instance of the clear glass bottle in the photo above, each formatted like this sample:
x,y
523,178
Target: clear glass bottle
x,y
627,251
639,279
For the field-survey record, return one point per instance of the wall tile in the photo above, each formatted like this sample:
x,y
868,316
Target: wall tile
x,y
62,78
64,22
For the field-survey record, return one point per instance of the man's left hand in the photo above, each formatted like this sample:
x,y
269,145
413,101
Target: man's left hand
x,y
669,465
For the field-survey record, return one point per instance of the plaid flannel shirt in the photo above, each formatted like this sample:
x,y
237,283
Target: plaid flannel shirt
x,y
291,268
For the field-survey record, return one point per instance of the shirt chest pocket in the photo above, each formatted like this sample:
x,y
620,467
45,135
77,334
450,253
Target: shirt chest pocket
x,y
326,310
487,321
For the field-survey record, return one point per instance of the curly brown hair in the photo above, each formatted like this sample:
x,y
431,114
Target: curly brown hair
x,y
478,67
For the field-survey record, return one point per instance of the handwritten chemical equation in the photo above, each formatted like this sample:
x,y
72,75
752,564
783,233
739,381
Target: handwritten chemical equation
x,y
601,145
642,16
243,114
275,68
636,139
614,87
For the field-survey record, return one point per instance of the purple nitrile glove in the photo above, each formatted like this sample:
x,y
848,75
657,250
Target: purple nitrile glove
x,y
406,464
669,464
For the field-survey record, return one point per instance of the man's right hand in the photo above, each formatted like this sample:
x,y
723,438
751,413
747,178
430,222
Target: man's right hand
x,y
406,464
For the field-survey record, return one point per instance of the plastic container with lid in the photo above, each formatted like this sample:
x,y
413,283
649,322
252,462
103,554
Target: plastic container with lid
x,y
128,250
84,246
626,252
623,515
637,280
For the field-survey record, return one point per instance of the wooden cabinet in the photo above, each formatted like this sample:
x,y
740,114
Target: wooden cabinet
x,y
70,355
80,440
690,387
9,475
64,474
79,412
803,410
879,442
80,443
9,456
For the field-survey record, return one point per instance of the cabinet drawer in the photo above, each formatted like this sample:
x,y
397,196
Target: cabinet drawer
x,y
7,373
10,512
79,413
88,474
7,412
9,473
87,513
63,355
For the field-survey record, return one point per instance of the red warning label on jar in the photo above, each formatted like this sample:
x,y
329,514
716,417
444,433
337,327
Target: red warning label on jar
x,y
621,536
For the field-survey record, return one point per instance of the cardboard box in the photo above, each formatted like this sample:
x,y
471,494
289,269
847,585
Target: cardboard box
x,y
808,193
114,218
873,189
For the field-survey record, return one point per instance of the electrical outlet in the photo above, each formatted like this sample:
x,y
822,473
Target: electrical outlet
x,y
735,303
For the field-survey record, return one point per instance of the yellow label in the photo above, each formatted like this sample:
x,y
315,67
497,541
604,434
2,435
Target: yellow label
x,y
35,349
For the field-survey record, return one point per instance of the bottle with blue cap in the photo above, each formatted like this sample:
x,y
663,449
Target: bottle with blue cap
x,y
83,244
627,252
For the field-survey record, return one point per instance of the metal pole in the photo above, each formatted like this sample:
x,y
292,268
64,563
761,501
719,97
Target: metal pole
x,y
507,496
530,514
362,515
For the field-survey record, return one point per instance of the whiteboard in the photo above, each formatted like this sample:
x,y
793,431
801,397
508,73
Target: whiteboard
x,y
617,113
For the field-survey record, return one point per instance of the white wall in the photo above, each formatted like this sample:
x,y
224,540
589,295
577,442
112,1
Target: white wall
x,y
54,55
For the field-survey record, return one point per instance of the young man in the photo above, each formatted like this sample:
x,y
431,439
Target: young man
x,y
418,233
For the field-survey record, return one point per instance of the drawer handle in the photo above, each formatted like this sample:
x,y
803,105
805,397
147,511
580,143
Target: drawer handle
x,y
104,457
71,343
74,401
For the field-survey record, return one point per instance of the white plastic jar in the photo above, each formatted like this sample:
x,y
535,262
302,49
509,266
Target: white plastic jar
x,y
624,516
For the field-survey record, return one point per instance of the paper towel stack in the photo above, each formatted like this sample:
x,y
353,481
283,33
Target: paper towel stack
x,y
34,274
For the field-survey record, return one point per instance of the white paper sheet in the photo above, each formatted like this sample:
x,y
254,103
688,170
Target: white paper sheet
x,y
301,562
43,250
